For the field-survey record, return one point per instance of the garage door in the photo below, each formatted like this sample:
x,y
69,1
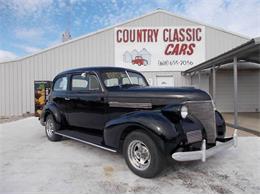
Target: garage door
x,y
248,91
165,81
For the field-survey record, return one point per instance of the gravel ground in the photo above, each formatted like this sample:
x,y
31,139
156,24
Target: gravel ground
x,y
13,118
29,163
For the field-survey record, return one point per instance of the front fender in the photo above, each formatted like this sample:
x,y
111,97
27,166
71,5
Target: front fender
x,y
220,125
152,121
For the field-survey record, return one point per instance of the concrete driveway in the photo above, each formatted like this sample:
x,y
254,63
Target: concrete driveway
x,y
29,163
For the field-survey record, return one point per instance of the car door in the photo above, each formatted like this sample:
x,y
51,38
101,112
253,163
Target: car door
x,y
59,94
88,104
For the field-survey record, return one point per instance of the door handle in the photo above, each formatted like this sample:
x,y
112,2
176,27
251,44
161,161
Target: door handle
x,y
66,98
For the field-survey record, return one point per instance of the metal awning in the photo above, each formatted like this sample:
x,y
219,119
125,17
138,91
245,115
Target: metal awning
x,y
248,52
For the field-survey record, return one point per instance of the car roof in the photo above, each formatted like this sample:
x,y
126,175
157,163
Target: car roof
x,y
96,68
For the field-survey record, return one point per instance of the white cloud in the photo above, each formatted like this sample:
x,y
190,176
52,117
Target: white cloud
x,y
61,4
55,41
238,16
77,1
117,14
6,55
29,34
28,49
25,7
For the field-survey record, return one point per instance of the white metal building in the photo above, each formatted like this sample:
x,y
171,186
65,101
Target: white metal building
x,y
111,46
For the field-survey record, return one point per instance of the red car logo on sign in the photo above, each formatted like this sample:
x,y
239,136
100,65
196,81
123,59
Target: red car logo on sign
x,y
139,60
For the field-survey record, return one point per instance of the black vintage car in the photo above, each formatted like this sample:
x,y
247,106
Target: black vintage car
x,y
115,109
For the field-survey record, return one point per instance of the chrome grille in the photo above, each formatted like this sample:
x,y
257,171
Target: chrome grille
x,y
194,136
204,111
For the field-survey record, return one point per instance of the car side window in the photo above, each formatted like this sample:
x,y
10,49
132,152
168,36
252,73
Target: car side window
x,y
88,83
125,81
111,82
61,84
93,83
136,79
79,83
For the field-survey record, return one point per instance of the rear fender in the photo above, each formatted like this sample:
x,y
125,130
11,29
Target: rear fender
x,y
150,121
52,109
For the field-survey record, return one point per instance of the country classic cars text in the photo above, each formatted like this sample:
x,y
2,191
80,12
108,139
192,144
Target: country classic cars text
x,y
180,41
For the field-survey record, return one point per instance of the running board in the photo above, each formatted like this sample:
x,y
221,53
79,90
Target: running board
x,y
85,142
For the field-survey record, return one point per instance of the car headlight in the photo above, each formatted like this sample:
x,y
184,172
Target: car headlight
x,y
184,112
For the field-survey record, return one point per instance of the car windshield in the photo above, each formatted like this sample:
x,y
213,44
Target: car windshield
x,y
113,79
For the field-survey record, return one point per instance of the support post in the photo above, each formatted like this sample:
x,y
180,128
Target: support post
x,y
235,92
214,83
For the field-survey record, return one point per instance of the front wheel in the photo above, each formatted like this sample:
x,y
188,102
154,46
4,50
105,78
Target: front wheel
x,y
50,128
142,155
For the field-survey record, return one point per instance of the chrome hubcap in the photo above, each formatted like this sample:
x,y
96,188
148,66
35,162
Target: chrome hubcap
x,y
50,128
139,155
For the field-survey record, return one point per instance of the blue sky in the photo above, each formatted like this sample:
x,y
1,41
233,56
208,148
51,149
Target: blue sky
x,y
27,26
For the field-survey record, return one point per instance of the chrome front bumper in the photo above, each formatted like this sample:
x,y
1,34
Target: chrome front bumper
x,y
203,154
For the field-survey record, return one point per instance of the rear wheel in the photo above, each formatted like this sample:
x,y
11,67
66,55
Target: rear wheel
x,y
50,128
142,155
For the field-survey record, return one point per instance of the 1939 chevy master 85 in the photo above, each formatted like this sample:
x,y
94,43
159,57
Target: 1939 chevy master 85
x,y
115,109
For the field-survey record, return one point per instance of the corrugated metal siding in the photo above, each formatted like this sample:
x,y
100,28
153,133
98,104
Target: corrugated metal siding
x,y
17,95
248,91
17,78
179,80
204,81
218,42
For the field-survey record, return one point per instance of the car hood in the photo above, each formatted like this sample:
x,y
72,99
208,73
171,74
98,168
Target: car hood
x,y
161,95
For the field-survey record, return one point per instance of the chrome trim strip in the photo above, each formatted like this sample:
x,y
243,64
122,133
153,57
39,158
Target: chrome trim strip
x,y
130,105
205,101
85,142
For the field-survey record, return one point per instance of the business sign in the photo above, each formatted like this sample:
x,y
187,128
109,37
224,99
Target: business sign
x,y
159,48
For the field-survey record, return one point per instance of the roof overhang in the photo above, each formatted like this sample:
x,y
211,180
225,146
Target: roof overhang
x,y
247,52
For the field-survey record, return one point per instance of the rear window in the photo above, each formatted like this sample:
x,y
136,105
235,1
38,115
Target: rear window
x,y
61,84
